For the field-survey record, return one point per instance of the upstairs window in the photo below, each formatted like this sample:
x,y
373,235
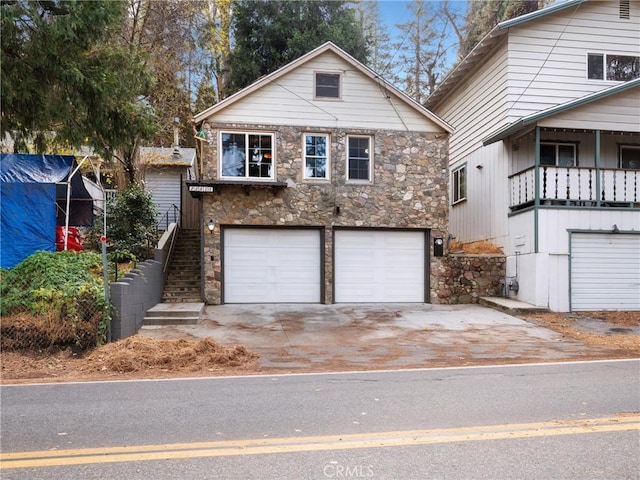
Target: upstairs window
x,y
359,160
630,156
459,184
246,155
327,85
619,68
558,154
316,156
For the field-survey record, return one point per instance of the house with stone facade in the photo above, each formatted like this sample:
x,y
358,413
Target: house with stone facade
x,y
545,157
322,183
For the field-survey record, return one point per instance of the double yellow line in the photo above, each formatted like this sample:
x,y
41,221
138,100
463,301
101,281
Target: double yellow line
x,y
49,458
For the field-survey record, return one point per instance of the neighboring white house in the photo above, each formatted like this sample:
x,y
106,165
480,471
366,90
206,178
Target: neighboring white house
x,y
165,172
545,157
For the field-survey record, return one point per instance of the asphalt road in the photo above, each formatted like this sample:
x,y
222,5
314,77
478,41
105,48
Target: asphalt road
x,y
564,421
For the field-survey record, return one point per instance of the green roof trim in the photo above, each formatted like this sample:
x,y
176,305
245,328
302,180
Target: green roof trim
x,y
549,112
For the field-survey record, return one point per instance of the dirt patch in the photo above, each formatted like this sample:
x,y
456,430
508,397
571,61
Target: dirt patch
x,y
140,357
574,325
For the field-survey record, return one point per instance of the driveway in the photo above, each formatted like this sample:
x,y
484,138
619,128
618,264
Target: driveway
x,y
304,338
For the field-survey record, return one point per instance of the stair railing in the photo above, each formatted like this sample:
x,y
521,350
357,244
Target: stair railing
x,y
172,215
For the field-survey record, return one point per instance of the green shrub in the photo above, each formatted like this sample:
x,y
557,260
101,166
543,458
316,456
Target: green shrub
x,y
67,286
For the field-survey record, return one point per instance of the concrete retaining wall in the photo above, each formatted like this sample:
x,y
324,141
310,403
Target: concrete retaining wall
x,y
139,290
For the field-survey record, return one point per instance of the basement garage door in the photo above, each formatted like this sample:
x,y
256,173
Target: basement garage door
x,y
271,265
605,271
379,266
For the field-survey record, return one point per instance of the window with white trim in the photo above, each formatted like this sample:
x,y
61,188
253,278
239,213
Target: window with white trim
x,y
316,156
327,85
558,154
459,184
630,156
606,66
359,159
246,155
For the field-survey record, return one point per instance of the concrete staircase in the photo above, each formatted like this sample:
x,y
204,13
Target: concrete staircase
x,y
183,282
181,299
181,313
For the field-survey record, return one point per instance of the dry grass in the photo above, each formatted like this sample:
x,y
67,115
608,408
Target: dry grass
x,y
475,248
136,353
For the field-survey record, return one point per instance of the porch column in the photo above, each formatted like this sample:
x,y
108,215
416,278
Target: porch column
x,y
597,162
536,201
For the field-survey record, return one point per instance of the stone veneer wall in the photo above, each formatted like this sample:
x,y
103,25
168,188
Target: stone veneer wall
x,y
410,190
463,278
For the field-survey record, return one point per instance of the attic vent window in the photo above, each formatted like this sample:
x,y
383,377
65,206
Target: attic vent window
x,y
625,9
327,85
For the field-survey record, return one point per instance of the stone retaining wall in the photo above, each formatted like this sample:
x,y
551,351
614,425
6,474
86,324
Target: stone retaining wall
x,y
463,278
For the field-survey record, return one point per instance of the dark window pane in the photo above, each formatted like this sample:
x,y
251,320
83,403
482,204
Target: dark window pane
x,y
315,156
547,154
359,158
595,69
622,67
328,85
260,156
630,157
233,154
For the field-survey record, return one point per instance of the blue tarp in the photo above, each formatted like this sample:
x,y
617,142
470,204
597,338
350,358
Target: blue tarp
x,y
28,209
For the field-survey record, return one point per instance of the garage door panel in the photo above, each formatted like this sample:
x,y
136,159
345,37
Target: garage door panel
x,y
271,266
379,266
605,271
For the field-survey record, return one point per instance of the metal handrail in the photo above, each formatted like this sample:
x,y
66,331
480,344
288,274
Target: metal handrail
x,y
166,217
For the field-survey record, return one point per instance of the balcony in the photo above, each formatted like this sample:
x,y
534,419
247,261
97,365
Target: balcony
x,y
575,186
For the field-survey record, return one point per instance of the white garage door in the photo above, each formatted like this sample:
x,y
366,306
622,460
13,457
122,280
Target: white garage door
x,y
379,266
605,272
271,266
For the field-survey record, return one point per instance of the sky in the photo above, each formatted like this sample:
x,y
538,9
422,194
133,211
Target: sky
x,y
393,12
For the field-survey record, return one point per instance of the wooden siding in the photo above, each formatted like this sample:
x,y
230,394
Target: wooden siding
x,y
548,57
619,113
289,100
483,216
482,96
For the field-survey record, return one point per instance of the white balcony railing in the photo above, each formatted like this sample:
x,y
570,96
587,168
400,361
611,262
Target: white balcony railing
x,y
585,186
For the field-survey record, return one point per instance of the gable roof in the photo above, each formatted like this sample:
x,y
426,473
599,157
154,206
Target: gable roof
x,y
536,117
326,47
167,157
486,45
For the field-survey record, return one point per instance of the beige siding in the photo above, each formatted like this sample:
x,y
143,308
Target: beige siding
x,y
620,113
289,100
548,57
482,96
484,215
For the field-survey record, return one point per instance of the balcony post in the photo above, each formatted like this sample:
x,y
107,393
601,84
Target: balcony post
x,y
597,162
536,198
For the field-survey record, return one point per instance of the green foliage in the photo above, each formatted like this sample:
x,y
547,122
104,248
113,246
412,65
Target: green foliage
x,y
131,227
269,34
63,72
66,285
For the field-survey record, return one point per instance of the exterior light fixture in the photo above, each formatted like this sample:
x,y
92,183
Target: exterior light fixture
x,y
211,225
